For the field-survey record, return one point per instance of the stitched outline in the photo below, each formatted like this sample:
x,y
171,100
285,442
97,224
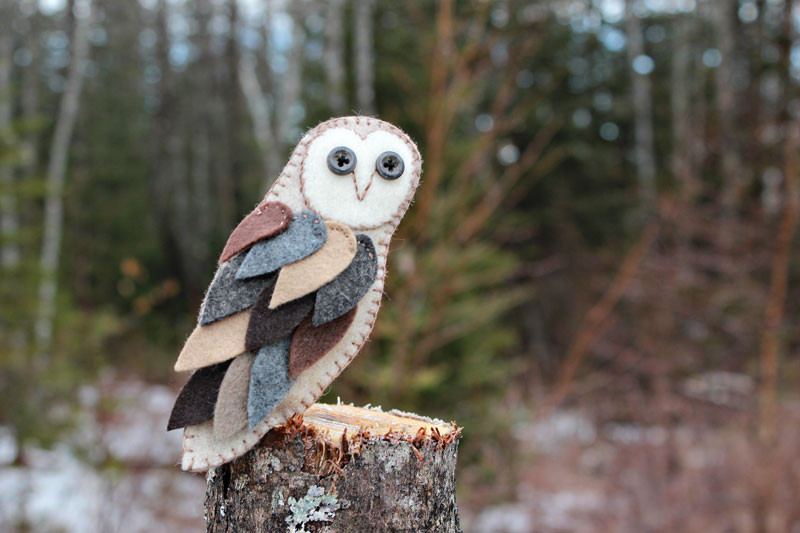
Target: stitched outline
x,y
344,122
348,352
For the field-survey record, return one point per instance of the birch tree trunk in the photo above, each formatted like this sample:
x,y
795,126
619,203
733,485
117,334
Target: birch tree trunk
x,y
341,468
164,124
292,81
9,223
365,60
228,180
643,114
732,178
56,169
681,114
334,56
259,117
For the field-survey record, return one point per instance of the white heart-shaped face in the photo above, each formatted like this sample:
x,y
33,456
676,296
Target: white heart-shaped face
x,y
362,199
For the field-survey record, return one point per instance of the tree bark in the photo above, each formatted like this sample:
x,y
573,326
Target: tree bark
x,y
681,113
259,117
9,223
341,468
731,165
56,170
292,82
335,65
365,60
641,90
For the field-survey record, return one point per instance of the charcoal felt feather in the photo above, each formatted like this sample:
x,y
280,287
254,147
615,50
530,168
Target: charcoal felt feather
x,y
343,293
228,295
298,289
198,397
268,326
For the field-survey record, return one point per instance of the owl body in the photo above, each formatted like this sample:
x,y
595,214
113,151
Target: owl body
x,y
361,192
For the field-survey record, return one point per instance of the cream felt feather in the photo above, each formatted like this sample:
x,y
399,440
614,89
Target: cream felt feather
x,y
372,206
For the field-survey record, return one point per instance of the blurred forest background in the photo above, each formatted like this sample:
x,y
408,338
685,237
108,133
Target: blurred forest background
x,y
595,280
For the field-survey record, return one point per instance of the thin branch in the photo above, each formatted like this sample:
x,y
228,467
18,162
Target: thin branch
x,y
594,321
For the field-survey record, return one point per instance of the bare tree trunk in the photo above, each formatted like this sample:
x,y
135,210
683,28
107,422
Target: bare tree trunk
x,y
334,56
162,186
260,117
643,115
681,113
9,223
56,170
30,101
365,60
293,79
228,179
724,14
341,468
201,149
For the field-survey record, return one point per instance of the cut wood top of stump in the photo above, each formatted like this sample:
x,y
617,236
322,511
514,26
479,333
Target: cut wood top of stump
x,y
335,421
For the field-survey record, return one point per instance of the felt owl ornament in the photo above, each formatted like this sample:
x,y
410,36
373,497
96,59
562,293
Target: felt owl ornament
x,y
297,290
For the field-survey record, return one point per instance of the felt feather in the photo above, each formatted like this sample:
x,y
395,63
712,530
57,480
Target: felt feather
x,y
226,295
230,413
306,235
368,202
220,341
265,221
268,326
311,343
195,402
306,276
343,293
269,381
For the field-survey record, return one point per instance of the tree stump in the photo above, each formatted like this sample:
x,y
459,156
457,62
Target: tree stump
x,y
341,469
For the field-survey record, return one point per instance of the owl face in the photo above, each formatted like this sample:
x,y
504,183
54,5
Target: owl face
x,y
362,177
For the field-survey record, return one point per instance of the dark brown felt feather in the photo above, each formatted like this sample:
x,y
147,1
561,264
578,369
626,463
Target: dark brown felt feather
x,y
196,401
266,220
268,326
310,343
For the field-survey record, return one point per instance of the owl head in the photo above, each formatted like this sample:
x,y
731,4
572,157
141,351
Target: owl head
x,y
359,171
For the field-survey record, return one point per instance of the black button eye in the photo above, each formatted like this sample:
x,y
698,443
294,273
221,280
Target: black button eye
x,y
390,165
341,160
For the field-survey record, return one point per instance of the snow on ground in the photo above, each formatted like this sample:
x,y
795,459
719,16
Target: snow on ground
x,y
115,472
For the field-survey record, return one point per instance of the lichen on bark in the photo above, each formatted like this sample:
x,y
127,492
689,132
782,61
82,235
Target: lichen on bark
x,y
296,480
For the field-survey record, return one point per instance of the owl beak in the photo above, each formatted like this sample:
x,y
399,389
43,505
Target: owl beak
x,y
362,182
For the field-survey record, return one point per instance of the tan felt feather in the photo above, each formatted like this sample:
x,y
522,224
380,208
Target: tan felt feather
x,y
230,413
265,221
309,274
214,343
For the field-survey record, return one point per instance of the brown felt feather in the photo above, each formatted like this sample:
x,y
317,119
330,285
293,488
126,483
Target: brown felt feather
x,y
309,274
310,343
230,412
268,326
266,220
216,342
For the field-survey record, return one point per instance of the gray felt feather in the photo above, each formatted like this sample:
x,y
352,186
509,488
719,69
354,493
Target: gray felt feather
x,y
304,236
346,290
227,295
269,381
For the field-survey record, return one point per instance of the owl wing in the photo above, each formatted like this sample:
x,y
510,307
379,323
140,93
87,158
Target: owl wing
x,y
274,311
